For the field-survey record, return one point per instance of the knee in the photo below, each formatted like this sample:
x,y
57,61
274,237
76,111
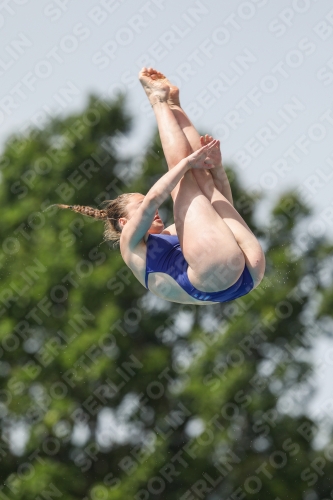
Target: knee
x,y
257,266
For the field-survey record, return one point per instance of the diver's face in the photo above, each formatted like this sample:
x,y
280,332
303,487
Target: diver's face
x,y
132,206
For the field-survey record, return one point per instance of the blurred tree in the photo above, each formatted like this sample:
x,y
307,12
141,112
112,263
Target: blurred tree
x,y
108,392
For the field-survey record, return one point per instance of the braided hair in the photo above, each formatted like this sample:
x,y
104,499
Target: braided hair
x,y
111,213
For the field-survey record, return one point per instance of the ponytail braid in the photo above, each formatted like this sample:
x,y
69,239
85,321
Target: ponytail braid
x,y
88,211
113,210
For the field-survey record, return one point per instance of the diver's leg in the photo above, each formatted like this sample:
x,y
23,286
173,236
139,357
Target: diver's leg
x,y
247,241
196,141
219,175
215,259
185,123
174,142
209,246
220,194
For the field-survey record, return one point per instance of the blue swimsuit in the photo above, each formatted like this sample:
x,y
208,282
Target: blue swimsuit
x,y
165,255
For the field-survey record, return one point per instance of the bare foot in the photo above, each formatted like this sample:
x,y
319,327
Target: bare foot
x,y
155,85
173,99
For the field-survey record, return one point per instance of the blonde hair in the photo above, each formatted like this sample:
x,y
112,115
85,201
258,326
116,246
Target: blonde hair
x,y
111,213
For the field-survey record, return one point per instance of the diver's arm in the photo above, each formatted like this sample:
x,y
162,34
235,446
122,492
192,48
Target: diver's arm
x,y
136,228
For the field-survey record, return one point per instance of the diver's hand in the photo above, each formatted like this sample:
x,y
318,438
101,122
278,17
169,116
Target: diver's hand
x,y
215,153
202,157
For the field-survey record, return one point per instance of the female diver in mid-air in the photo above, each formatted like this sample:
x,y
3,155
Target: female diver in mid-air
x,y
209,254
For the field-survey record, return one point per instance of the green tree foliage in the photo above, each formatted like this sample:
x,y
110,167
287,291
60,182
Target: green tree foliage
x,y
110,393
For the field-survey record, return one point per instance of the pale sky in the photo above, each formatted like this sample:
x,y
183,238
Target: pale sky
x,y
256,74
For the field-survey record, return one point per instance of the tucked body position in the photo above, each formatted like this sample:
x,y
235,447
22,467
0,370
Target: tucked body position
x,y
209,254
